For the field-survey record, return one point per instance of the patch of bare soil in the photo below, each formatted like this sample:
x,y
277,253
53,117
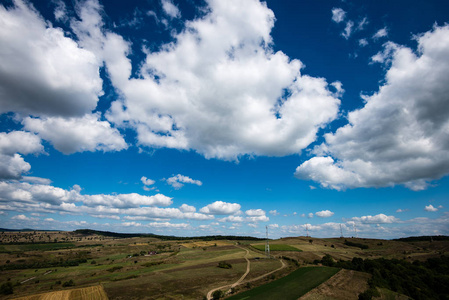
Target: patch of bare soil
x,y
344,285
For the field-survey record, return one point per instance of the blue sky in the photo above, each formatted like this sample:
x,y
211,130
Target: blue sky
x,y
222,117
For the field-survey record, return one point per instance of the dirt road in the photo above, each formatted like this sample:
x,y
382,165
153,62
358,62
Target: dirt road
x,y
248,268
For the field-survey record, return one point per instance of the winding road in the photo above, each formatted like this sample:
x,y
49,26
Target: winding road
x,y
248,268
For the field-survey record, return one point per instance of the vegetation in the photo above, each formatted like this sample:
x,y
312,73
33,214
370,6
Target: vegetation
x,y
276,247
68,283
424,238
32,263
359,245
292,286
224,265
418,280
165,237
6,288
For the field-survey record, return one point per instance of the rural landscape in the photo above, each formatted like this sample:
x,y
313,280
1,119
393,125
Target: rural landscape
x,y
88,264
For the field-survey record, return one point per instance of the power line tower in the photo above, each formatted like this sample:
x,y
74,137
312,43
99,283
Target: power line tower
x,y
355,230
307,230
341,232
267,245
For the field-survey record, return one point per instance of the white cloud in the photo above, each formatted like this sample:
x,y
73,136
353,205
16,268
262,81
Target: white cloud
x,y
170,9
38,180
168,225
20,217
310,215
20,142
147,181
363,42
274,212
12,164
377,219
380,33
178,181
254,219
401,135
12,167
430,208
400,210
126,200
232,219
42,71
222,97
361,25
338,15
324,214
187,208
60,11
348,30
255,212
70,135
221,208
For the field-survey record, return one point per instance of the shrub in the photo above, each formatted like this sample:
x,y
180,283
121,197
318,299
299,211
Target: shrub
x,y
224,265
68,283
6,288
217,294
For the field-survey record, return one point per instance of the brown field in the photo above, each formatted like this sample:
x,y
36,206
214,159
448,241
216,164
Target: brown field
x,y
201,244
345,285
87,293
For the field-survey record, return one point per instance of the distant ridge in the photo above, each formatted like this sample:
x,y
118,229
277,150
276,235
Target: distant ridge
x,y
165,237
424,238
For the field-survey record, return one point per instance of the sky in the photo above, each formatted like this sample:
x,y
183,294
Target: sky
x,y
194,118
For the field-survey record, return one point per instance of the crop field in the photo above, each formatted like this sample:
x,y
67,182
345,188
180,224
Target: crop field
x,y
290,287
87,293
70,264
276,247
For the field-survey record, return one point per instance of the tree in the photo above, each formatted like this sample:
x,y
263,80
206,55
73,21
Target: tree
x,y
6,288
217,294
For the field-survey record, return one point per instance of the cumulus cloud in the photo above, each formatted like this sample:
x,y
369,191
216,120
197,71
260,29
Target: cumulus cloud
x,y
168,225
178,181
26,197
222,97
338,15
70,135
187,208
324,214
20,142
221,208
147,181
401,135
42,71
12,164
430,208
232,219
274,212
377,219
255,212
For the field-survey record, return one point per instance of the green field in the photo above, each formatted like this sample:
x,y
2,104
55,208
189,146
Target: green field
x,y
276,247
291,286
